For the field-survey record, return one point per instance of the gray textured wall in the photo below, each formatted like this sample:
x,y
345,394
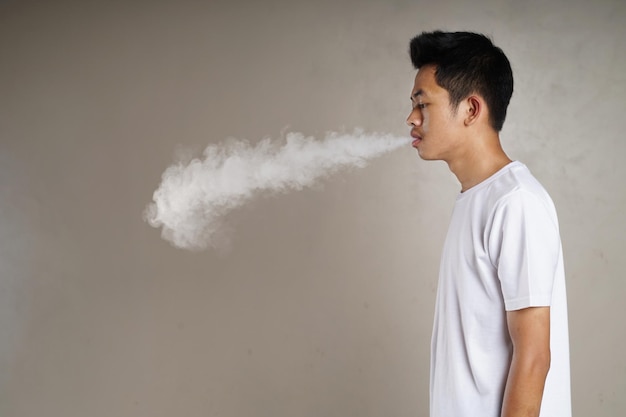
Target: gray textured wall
x,y
323,306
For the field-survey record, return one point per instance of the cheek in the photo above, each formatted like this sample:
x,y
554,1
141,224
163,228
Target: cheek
x,y
425,121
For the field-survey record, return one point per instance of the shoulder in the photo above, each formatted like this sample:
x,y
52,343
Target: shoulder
x,y
516,199
517,186
522,223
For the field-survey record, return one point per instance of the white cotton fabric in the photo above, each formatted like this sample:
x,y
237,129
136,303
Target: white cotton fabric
x,y
502,253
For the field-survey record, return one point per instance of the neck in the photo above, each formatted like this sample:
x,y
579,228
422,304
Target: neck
x,y
479,162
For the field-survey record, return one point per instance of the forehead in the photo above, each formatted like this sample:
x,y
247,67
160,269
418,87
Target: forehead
x,y
425,82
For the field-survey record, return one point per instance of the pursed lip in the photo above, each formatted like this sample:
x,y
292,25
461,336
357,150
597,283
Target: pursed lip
x,y
416,139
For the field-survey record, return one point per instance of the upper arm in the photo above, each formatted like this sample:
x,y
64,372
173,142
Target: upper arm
x,y
524,246
529,329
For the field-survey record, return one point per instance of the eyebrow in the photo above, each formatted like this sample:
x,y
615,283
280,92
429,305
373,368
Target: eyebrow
x,y
418,93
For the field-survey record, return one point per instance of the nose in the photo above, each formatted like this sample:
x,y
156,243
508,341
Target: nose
x,y
415,118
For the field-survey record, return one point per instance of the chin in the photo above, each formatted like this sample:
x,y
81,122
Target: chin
x,y
425,156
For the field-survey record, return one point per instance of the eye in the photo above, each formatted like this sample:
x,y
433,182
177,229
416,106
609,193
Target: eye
x,y
421,106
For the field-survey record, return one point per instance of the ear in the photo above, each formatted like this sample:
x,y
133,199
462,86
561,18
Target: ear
x,y
475,107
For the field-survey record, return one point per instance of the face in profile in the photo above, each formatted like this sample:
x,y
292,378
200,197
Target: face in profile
x,y
432,120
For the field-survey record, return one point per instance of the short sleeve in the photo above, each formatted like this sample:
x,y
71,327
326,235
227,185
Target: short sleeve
x,y
525,247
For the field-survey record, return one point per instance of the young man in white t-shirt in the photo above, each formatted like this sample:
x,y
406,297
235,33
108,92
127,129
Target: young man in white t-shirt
x,y
500,338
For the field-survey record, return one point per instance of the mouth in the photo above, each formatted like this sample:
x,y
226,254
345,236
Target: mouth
x,y
416,140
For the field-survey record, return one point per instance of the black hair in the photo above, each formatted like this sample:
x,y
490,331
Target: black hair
x,y
467,63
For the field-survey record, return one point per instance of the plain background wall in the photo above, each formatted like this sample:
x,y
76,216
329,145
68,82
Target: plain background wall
x,y
323,305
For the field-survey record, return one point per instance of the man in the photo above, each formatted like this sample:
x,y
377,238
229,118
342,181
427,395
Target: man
x,y
500,338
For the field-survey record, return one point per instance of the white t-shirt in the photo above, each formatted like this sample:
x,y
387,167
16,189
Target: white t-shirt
x,y
502,253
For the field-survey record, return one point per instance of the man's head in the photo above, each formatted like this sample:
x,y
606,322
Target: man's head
x,y
467,63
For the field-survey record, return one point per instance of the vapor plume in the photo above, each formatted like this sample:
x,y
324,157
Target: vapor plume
x,y
196,194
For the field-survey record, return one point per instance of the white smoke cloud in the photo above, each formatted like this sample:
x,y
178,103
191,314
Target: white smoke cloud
x,y
195,195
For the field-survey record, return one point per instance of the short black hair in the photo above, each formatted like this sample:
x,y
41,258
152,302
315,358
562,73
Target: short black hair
x,y
466,63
